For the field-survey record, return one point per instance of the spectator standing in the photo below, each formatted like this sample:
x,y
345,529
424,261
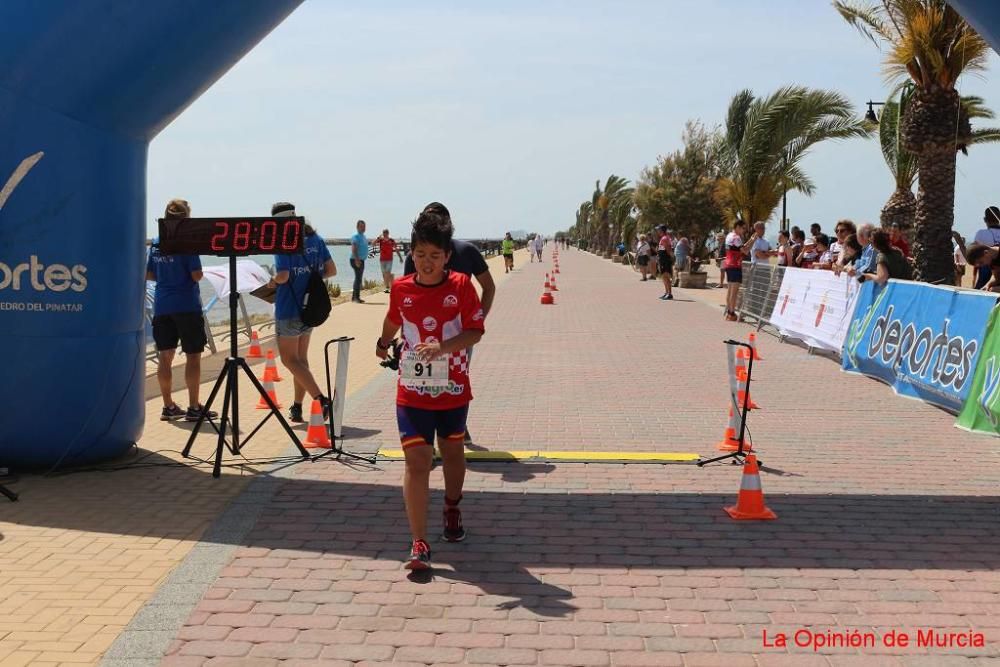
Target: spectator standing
x,y
177,317
815,229
359,253
898,241
849,254
642,253
988,236
720,257
890,262
809,255
292,273
843,229
665,262
825,260
682,254
760,248
958,250
386,247
785,255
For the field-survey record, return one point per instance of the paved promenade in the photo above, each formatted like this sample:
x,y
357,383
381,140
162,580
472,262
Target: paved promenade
x,y
887,514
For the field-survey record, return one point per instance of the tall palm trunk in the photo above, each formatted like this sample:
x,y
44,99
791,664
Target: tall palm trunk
x,y
932,125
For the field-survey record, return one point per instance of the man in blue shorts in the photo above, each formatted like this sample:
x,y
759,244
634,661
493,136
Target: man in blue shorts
x,y
441,317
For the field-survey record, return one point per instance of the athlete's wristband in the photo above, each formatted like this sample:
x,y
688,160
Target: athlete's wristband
x,y
379,345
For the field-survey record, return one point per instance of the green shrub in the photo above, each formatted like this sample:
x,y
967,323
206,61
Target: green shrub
x,y
333,290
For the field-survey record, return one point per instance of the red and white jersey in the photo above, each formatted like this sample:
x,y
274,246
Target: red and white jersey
x,y
437,313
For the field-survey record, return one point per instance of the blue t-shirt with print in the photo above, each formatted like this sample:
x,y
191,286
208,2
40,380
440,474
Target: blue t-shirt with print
x,y
359,241
176,290
291,294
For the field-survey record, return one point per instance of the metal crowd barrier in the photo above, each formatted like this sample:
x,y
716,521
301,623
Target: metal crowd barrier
x,y
759,292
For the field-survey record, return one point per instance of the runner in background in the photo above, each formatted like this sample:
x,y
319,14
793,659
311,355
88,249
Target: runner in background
x,y
507,250
386,247
441,317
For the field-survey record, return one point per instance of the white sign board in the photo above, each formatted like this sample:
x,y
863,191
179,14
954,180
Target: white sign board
x,y
816,306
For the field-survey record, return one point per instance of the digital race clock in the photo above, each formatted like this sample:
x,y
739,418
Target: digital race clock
x,y
232,237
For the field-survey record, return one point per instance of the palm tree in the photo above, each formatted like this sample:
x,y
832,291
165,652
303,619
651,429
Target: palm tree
x,y
902,205
606,217
766,140
901,208
932,45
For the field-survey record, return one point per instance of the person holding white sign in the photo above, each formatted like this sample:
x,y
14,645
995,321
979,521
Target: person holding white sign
x,y
440,316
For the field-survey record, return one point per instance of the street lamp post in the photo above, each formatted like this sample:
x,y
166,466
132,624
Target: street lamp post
x,y
870,116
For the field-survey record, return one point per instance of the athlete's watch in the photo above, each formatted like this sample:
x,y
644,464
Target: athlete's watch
x,y
379,345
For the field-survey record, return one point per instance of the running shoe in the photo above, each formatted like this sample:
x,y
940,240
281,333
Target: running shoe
x,y
453,530
420,556
194,413
668,297
295,413
172,413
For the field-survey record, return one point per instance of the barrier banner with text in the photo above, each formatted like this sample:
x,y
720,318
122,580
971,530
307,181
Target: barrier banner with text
x,y
981,411
815,307
922,340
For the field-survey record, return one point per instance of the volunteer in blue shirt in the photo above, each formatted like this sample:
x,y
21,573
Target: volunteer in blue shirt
x,y
177,317
292,280
359,252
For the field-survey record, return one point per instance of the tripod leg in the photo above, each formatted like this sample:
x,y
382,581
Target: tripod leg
x,y
224,419
7,492
235,424
223,374
274,409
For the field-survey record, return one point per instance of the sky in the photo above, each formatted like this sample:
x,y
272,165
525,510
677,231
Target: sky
x,y
509,112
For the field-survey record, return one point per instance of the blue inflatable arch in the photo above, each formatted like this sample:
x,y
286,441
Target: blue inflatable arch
x,y
85,85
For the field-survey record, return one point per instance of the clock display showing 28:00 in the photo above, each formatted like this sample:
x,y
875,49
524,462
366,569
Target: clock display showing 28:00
x,y
242,236
232,237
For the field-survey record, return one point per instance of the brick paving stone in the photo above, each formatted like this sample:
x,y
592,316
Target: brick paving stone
x,y
613,564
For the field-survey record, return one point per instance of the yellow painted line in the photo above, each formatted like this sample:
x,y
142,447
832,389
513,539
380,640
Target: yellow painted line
x,y
581,456
622,456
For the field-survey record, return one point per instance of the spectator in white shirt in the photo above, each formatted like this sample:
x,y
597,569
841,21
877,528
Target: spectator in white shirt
x,y
989,236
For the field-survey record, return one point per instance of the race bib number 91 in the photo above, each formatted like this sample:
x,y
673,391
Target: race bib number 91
x,y
417,373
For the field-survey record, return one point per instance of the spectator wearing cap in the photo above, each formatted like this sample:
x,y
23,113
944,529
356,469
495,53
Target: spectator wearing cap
x,y
898,241
809,255
988,236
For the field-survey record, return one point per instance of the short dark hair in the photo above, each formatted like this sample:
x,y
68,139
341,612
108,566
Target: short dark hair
x,y
976,252
992,215
881,241
847,225
433,228
798,234
815,225
822,239
852,242
282,207
439,208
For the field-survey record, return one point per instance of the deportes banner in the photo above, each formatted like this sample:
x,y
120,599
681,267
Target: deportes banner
x,y
815,307
922,340
981,411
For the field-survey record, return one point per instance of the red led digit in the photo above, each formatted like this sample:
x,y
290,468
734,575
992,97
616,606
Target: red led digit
x,y
290,235
241,236
268,234
218,242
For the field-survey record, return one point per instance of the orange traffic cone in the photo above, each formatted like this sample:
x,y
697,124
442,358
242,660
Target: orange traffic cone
x,y
552,282
316,436
270,369
556,269
742,353
742,388
254,351
548,283
547,299
269,388
750,502
730,438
